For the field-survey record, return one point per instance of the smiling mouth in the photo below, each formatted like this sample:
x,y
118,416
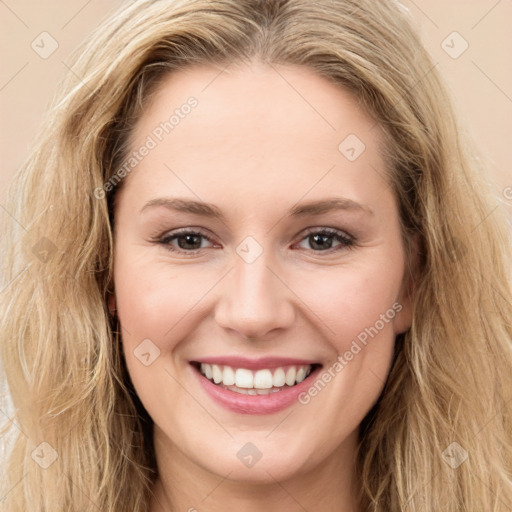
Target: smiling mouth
x,y
264,381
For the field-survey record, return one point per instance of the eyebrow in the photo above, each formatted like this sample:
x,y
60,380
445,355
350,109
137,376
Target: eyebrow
x,y
209,210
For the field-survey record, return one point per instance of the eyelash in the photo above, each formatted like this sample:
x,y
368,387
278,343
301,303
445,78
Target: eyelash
x,y
346,241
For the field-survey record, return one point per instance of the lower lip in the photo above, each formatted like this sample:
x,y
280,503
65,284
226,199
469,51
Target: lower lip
x,y
255,404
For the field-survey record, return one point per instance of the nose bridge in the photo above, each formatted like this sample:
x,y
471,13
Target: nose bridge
x,y
253,281
255,301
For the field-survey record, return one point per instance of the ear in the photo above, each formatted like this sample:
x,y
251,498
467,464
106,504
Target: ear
x,y
111,300
405,300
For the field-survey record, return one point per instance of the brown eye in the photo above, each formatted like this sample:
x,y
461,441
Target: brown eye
x,y
323,240
186,241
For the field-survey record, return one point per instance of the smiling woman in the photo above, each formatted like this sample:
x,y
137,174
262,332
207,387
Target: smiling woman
x,y
256,275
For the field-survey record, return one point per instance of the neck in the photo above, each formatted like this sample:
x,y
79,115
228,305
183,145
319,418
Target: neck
x,y
183,485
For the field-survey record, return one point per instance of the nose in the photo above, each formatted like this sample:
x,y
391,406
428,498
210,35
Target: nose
x,y
255,300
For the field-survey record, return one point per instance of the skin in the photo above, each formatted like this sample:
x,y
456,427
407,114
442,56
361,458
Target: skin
x,y
255,146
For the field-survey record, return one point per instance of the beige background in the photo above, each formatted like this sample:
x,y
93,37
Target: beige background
x,y
480,78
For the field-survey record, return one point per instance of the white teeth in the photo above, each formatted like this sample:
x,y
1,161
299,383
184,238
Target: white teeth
x,y
228,376
260,382
207,370
290,376
244,378
263,379
216,374
278,380
301,375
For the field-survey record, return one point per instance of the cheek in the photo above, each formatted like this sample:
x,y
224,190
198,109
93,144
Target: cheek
x,y
347,301
156,309
151,297
357,307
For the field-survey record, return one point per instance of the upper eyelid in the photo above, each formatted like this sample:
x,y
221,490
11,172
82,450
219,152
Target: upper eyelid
x,y
185,231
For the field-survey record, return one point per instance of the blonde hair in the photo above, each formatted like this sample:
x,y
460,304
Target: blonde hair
x,y
451,379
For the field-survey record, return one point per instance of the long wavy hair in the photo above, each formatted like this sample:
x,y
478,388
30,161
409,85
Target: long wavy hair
x,y
440,435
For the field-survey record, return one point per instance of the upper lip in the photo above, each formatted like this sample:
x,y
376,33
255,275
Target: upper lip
x,y
255,364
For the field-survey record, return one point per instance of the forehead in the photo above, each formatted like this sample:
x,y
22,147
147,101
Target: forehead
x,y
255,126
257,95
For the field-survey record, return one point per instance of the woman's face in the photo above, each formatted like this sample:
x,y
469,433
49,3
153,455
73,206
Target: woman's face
x,y
257,241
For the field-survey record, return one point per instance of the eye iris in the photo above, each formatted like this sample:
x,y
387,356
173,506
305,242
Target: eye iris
x,y
193,239
315,238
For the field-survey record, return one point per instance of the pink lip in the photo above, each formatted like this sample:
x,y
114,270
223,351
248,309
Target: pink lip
x,y
255,364
255,404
